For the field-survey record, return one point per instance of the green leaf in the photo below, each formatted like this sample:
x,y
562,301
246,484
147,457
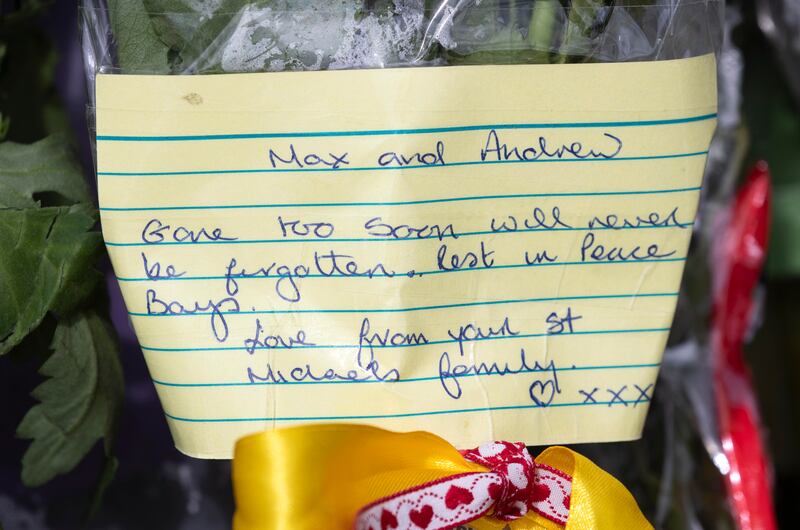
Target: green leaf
x,y
46,264
586,20
139,48
5,122
194,36
497,32
79,403
169,36
195,31
45,167
110,467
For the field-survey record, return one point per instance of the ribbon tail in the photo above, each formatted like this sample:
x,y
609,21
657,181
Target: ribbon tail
x,y
598,500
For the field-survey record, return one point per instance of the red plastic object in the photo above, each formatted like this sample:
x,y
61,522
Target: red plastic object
x,y
740,255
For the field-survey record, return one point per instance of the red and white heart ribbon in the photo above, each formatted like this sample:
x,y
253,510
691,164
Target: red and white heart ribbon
x,y
513,486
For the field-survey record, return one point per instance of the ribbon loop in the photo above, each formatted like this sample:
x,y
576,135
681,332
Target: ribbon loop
x,y
513,464
512,485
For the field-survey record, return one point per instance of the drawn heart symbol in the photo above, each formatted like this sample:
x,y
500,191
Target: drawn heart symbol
x,y
457,496
422,517
388,520
543,392
541,492
566,501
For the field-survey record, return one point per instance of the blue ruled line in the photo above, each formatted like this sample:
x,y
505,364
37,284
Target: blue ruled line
x,y
394,132
403,415
414,309
414,345
409,380
401,203
383,239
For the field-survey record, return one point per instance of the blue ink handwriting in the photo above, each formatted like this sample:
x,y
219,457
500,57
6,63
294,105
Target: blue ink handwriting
x,y
286,287
376,227
218,309
269,342
539,257
643,397
157,232
559,324
616,396
154,271
367,337
592,251
538,220
433,158
541,392
470,260
306,373
589,395
332,161
653,219
499,151
320,230
333,264
471,332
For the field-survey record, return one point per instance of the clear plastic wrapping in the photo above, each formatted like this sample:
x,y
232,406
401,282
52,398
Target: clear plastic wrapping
x,y
233,36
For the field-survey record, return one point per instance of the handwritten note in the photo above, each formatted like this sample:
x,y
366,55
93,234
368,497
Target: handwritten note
x,y
484,252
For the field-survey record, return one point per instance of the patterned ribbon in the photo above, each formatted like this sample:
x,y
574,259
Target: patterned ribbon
x,y
514,486
355,477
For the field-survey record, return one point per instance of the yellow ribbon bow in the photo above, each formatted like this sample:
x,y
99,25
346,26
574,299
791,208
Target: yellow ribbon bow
x,y
320,477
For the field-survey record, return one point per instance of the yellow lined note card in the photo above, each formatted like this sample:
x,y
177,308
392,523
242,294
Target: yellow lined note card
x,y
483,252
